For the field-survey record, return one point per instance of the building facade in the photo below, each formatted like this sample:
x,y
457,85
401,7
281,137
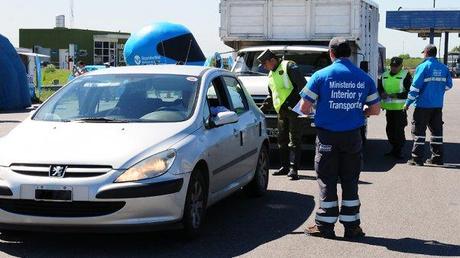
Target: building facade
x,y
64,44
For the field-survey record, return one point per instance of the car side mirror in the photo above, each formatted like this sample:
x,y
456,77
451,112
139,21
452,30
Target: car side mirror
x,y
224,118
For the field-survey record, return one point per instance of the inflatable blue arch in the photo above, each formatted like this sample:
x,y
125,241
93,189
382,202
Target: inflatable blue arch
x,y
163,43
14,88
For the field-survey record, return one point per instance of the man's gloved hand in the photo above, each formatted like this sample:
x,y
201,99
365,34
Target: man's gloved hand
x,y
263,108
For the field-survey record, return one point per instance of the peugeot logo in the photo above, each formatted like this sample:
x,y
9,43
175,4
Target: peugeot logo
x,y
57,171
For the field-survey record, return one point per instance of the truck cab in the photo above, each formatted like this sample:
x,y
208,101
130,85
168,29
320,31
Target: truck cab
x,y
309,59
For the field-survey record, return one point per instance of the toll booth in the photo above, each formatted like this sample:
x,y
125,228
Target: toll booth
x,y
426,23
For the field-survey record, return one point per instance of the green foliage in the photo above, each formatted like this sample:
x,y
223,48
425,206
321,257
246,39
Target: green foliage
x,y
50,68
405,56
409,63
46,93
61,75
455,49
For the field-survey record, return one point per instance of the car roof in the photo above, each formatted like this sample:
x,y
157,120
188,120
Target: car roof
x,y
95,66
188,70
288,48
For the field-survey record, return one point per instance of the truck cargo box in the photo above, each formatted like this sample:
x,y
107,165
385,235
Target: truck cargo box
x,y
246,23
296,20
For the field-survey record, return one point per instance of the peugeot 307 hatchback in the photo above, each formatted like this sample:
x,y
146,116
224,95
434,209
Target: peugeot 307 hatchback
x,y
133,146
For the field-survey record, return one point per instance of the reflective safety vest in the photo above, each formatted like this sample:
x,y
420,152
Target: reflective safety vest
x,y
393,85
280,85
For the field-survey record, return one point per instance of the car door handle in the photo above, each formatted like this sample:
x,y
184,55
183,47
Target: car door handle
x,y
236,132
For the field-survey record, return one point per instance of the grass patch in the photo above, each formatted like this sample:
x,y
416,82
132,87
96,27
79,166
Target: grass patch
x,y
49,75
46,93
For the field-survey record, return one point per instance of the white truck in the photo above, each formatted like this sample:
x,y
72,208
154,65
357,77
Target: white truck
x,y
298,30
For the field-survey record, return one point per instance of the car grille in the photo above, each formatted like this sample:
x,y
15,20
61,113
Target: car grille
x,y
72,171
60,209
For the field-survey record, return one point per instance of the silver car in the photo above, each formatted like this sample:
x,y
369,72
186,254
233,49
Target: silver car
x,y
132,147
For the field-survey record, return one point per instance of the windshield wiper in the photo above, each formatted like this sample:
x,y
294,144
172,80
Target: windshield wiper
x,y
100,120
251,72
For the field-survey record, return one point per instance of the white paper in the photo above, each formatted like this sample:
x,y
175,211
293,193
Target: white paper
x,y
297,109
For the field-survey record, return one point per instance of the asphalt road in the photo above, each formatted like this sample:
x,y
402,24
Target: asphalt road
x,y
406,211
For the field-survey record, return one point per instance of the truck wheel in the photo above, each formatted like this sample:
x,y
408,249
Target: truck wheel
x,y
259,183
195,205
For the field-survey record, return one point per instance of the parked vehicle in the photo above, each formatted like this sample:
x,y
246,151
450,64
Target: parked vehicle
x,y
298,30
134,147
88,68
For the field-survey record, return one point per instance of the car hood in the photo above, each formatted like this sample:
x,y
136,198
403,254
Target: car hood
x,y
73,143
257,85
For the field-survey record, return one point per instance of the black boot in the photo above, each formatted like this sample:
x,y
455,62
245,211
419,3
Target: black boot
x,y
352,233
284,159
293,173
435,161
414,162
281,172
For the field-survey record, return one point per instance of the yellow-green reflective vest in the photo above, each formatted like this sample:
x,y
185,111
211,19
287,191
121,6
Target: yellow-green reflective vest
x,y
280,85
393,85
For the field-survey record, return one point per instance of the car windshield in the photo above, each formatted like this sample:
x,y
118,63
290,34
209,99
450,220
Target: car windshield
x,y
123,98
308,62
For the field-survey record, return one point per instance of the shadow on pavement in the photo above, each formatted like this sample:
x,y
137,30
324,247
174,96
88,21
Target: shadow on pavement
x,y
234,227
413,246
25,110
10,121
374,159
452,155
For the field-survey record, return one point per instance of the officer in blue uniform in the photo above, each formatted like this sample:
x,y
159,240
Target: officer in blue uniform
x,y
341,92
431,80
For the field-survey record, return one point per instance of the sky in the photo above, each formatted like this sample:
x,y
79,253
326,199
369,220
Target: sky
x,y
200,16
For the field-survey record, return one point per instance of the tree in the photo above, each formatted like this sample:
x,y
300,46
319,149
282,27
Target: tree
x,y
456,49
404,56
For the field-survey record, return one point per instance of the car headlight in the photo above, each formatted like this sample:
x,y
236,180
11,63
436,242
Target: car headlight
x,y
153,166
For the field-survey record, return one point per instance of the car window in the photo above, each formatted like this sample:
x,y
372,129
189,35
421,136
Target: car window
x,y
127,97
216,98
216,95
308,62
236,94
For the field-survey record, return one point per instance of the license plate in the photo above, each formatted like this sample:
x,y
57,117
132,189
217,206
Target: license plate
x,y
53,193
273,132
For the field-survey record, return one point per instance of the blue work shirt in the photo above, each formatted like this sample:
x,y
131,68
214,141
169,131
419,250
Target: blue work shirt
x,y
341,90
431,80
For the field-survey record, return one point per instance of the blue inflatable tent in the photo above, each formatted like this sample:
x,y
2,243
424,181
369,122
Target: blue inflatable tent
x,y
163,43
14,90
